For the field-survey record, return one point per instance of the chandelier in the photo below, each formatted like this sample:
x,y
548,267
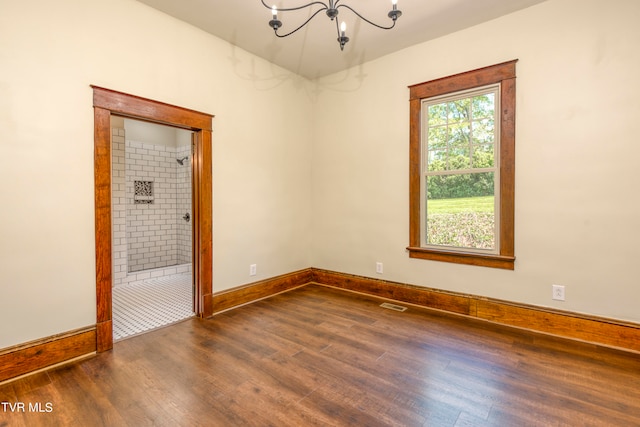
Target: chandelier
x,y
331,11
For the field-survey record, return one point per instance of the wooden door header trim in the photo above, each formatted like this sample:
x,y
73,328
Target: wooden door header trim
x,y
126,105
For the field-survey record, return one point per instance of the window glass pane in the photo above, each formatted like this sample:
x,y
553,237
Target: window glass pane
x,y
437,139
459,110
461,210
437,114
483,156
484,131
459,135
458,144
459,159
483,105
437,160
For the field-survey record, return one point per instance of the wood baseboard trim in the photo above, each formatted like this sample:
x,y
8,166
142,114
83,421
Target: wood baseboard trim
x,y
36,355
425,297
47,368
576,326
45,353
241,295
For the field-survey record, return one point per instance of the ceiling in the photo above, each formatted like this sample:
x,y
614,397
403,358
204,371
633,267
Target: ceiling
x,y
314,51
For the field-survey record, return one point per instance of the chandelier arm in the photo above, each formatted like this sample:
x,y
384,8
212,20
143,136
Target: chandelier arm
x,y
366,20
302,25
324,6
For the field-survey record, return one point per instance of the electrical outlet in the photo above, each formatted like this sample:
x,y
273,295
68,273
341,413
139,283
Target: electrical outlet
x,y
253,270
379,268
557,292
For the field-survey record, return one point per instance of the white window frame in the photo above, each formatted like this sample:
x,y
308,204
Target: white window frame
x,y
424,211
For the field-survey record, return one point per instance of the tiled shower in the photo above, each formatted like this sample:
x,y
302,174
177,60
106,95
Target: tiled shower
x,y
152,233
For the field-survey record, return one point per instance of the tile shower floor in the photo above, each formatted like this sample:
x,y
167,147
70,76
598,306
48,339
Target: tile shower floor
x,y
141,306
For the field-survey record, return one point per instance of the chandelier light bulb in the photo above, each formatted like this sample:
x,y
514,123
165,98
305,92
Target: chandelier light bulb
x,y
343,28
274,11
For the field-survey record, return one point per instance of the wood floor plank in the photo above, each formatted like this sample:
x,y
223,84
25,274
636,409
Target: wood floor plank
x,y
139,408
83,398
41,397
319,356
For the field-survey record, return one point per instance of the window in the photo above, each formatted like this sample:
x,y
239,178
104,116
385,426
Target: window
x,y
460,171
462,147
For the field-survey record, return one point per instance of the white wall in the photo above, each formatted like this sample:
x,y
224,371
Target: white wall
x,y
577,154
50,52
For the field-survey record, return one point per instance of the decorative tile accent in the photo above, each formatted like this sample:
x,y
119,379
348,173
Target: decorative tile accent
x,y
143,192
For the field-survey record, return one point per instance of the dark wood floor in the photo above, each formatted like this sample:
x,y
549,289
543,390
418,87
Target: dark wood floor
x,y
321,356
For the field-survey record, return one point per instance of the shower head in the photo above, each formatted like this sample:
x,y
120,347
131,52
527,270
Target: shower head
x,y
181,161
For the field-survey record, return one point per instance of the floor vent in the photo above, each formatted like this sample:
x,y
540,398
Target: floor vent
x,y
393,306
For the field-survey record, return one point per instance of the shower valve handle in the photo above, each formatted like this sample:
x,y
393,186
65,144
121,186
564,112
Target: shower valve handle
x,y
186,217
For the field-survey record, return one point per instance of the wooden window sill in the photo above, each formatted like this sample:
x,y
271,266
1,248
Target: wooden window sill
x,y
469,258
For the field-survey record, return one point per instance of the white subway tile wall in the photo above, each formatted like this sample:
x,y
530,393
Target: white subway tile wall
x,y
118,208
154,235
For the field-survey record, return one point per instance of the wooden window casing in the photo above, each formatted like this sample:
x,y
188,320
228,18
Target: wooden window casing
x,y
503,74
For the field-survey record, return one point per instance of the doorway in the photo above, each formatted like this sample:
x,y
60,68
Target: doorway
x,y
151,208
107,103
